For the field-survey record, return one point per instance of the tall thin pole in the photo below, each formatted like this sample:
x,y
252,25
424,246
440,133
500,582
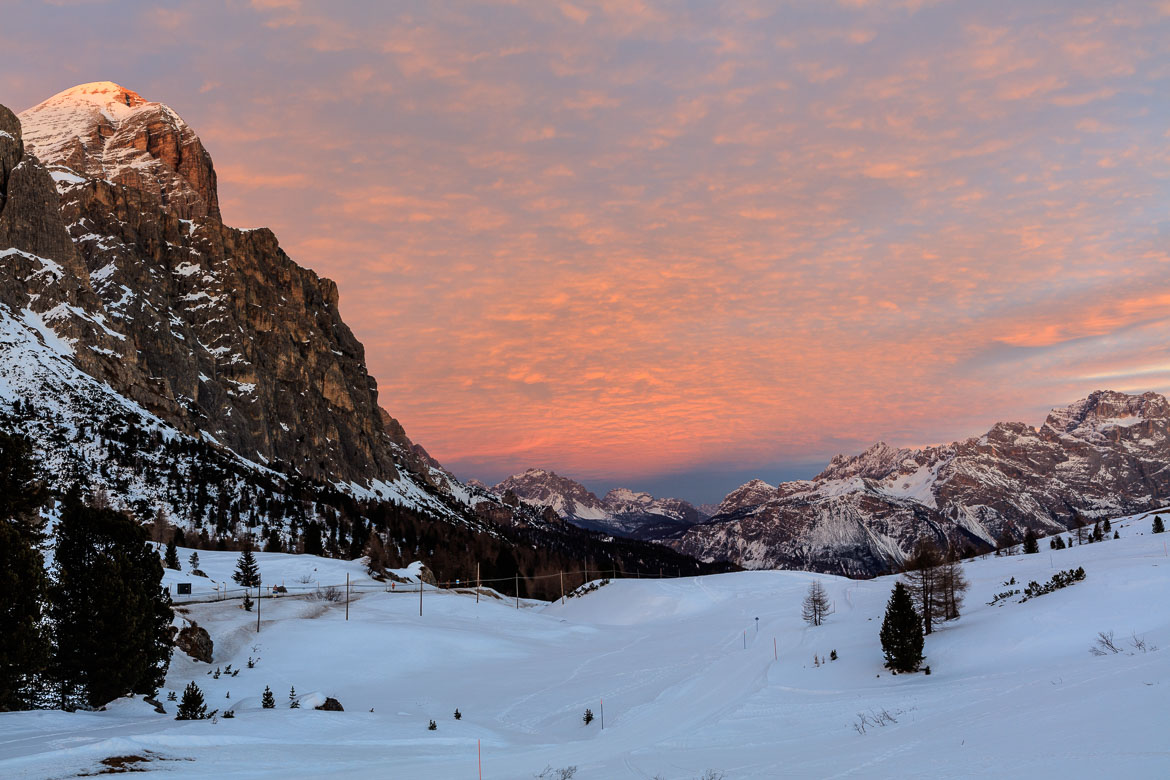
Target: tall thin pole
x,y
347,595
479,756
478,582
603,713
420,596
517,584
258,594
562,587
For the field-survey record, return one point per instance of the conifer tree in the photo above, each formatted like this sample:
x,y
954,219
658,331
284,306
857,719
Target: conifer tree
x,y
21,493
111,615
191,707
172,557
268,701
272,543
816,605
1108,527
1158,526
1030,544
24,644
193,560
247,572
901,632
292,698
1098,534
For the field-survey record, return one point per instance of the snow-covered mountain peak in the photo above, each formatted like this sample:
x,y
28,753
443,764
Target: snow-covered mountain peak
x,y
626,496
103,94
1105,409
101,130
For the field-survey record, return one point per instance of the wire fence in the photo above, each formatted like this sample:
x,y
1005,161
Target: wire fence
x,y
325,591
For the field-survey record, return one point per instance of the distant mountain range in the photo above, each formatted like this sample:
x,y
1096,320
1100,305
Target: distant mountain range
x,y
622,511
1106,455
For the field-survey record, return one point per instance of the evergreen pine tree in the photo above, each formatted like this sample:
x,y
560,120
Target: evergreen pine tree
x,y
588,716
111,615
1098,534
1030,543
901,632
247,572
24,644
312,539
1108,527
1158,526
268,701
192,706
172,556
292,698
247,601
21,494
273,543
193,560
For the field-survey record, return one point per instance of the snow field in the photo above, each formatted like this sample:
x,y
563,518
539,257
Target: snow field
x,y
1013,691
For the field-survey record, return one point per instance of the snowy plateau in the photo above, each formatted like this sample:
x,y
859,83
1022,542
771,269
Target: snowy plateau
x,y
695,677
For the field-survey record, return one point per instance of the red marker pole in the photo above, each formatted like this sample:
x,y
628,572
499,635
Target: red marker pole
x,y
479,757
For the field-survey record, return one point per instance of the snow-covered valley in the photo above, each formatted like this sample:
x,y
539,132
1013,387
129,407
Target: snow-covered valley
x,y
688,681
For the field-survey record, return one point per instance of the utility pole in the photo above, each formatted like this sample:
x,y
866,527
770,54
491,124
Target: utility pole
x,y
347,595
420,595
478,582
517,585
258,594
562,588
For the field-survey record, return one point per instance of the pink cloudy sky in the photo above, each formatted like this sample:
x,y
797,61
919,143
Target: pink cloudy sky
x,y
677,244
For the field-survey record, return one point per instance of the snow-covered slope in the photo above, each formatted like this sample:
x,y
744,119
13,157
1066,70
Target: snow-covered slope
x,y
1106,454
686,680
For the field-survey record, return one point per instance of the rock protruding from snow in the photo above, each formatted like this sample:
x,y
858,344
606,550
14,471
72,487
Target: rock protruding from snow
x,y
1107,454
102,130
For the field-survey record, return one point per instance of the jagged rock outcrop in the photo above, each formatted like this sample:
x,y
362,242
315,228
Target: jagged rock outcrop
x,y
113,238
1105,455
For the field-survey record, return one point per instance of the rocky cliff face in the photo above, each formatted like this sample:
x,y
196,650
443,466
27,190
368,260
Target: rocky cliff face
x,y
1105,455
622,511
110,233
